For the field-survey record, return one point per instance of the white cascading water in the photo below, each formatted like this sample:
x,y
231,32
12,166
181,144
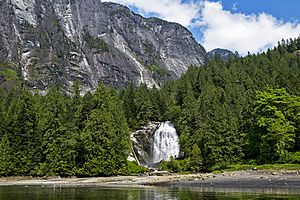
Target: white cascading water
x,y
166,143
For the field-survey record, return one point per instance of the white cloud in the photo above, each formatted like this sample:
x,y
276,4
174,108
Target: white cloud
x,y
171,10
240,32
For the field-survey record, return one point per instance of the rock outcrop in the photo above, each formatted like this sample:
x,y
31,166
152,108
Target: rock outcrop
x,y
224,54
60,41
142,141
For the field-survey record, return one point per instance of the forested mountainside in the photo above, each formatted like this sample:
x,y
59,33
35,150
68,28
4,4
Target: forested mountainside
x,y
243,110
60,41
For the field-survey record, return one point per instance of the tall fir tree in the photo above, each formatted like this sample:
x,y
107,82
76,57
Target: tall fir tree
x,y
105,136
59,143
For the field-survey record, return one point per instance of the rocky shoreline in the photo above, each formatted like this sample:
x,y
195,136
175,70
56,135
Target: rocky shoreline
x,y
238,179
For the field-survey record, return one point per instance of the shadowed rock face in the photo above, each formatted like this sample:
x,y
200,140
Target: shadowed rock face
x,y
60,41
142,141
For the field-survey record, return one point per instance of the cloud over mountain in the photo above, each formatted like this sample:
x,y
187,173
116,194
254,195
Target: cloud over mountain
x,y
221,28
237,31
178,11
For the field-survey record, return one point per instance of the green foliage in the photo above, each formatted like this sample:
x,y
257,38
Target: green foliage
x,y
177,166
7,164
214,107
129,106
95,43
10,81
279,166
295,157
20,128
62,135
145,109
59,141
105,136
133,168
172,165
142,105
196,159
276,122
9,74
225,113
158,70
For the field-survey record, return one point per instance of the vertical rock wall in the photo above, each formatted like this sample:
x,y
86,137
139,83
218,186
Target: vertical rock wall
x,y
61,41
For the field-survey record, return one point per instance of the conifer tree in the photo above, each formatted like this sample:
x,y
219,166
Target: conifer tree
x,y
59,144
144,105
7,161
105,136
129,107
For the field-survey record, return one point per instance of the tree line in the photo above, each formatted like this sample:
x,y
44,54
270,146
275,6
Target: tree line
x,y
242,110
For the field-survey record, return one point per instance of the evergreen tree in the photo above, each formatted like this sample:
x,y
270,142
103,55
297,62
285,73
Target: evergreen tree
x,y
216,109
275,112
20,123
7,161
1,113
144,106
105,136
196,159
59,143
129,107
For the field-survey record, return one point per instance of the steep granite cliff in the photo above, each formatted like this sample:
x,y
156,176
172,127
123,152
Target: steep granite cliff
x,y
60,41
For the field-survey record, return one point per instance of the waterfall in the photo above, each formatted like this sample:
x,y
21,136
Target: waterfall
x,y
165,143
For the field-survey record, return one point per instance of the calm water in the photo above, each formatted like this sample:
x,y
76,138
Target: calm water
x,y
79,193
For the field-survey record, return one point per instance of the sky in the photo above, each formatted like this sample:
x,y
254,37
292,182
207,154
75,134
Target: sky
x,y
238,25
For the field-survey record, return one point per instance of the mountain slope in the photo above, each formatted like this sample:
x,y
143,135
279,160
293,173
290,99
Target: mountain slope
x,y
60,41
224,54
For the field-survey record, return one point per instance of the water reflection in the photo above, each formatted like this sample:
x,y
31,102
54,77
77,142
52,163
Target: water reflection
x,y
158,193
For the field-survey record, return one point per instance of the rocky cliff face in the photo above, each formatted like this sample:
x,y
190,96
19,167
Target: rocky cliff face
x,y
142,141
60,41
224,54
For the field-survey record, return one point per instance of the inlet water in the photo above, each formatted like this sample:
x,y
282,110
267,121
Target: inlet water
x,y
150,193
165,143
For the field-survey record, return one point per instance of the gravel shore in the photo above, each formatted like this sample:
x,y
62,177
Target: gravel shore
x,y
237,179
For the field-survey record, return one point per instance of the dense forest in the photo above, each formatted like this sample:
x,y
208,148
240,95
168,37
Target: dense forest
x,y
242,110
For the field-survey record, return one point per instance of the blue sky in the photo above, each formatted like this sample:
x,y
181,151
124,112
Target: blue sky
x,y
282,9
238,25
286,10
